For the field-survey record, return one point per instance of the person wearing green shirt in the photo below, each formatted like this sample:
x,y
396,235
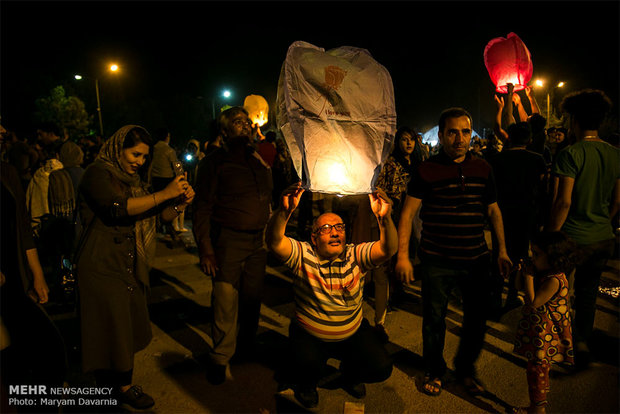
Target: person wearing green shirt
x,y
588,198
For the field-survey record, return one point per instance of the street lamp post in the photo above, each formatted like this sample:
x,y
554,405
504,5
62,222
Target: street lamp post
x,y
113,68
540,83
99,107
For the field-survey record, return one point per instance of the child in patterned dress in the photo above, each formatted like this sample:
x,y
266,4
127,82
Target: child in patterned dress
x,y
544,333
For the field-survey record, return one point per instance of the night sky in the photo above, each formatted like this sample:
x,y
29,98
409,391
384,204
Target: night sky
x,y
175,56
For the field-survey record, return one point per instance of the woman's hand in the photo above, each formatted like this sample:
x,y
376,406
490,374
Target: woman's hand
x,y
188,196
176,187
404,271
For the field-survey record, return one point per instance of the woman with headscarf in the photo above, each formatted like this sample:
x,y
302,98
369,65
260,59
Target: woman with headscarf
x,y
394,178
116,247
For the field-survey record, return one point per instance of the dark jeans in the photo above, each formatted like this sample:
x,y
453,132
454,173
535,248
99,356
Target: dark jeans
x,y
519,227
587,279
437,284
363,357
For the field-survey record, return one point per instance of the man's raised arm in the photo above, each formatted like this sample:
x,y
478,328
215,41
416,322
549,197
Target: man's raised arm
x,y
388,241
275,237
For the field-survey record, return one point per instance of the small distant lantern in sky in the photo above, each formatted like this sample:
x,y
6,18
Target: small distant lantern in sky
x,y
337,115
508,61
258,109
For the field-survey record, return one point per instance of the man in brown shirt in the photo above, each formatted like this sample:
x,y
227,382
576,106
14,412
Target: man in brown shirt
x,y
231,209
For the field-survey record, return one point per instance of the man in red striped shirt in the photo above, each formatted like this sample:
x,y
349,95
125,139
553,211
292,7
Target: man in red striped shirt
x,y
328,284
457,195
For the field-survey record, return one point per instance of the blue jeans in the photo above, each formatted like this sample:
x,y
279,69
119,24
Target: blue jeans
x,y
437,285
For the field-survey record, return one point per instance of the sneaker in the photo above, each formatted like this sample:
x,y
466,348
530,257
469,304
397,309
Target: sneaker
x,y
355,390
307,396
216,374
136,398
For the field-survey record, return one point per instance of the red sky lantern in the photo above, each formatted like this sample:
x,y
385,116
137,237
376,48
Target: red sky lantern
x,y
508,61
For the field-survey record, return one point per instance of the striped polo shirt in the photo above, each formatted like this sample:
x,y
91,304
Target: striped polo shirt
x,y
455,198
329,294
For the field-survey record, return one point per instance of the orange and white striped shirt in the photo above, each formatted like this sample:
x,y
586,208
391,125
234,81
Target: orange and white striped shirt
x,y
329,294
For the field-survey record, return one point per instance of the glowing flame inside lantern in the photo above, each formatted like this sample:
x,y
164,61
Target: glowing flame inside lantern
x,y
336,174
260,118
258,109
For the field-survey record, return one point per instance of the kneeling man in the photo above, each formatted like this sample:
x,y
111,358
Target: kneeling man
x,y
328,286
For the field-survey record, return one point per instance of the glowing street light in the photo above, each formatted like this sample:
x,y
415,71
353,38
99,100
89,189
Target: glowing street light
x,y
226,94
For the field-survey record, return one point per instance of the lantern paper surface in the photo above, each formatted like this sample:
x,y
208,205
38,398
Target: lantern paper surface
x,y
508,61
258,109
337,114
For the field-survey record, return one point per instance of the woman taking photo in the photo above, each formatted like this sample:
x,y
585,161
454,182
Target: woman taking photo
x,y
117,244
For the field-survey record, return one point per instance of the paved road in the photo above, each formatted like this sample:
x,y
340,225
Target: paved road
x,y
171,367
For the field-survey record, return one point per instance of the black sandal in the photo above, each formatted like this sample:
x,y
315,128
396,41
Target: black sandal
x,y
432,386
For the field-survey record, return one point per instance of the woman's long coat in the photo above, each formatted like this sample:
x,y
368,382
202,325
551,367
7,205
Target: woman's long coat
x,y
114,315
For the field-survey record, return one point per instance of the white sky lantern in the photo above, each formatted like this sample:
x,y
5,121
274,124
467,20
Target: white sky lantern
x,y
258,109
337,115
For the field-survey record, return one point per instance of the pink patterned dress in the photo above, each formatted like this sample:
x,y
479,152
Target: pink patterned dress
x,y
544,333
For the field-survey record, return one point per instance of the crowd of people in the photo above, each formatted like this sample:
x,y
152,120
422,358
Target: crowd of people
x,y
83,218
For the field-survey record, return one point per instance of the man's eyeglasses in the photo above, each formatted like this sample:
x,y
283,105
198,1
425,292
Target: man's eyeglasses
x,y
327,228
242,122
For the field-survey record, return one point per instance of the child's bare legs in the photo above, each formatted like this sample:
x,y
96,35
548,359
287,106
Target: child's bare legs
x,y
538,387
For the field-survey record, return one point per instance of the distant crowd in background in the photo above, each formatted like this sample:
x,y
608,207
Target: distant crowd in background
x,y
522,178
